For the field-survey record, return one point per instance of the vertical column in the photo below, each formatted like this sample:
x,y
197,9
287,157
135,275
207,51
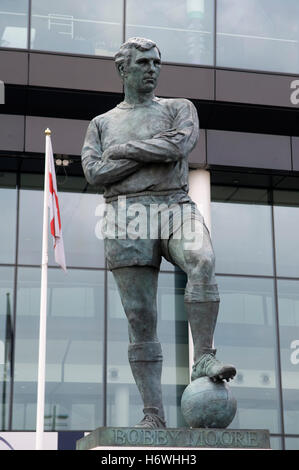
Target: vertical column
x,y
200,193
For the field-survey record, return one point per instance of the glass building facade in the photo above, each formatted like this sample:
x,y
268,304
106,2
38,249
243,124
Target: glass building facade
x,y
252,34
88,380
254,226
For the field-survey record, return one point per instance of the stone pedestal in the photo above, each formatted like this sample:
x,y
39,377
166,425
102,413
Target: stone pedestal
x,y
105,438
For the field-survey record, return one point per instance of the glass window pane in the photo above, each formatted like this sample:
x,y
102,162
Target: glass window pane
x,y
87,27
166,266
6,342
8,217
183,31
238,193
288,303
286,221
14,23
258,34
80,216
292,443
124,402
275,443
74,349
242,238
245,336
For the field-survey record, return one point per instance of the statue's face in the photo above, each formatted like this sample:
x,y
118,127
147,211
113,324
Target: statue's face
x,y
143,70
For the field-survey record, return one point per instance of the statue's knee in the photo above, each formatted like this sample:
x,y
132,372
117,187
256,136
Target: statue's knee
x,y
200,266
207,264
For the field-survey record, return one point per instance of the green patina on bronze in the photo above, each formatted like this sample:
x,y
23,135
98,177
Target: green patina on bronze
x,y
172,437
139,150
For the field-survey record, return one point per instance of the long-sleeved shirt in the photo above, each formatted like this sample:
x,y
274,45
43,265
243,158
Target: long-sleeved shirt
x,y
154,141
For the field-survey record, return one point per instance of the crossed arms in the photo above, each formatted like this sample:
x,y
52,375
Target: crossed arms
x,y
119,161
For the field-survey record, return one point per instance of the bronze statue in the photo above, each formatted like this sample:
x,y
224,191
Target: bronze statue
x,y
137,155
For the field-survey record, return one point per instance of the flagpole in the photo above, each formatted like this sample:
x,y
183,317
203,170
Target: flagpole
x,y
40,412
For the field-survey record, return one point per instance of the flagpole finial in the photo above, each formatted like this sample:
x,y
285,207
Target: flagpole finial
x,y
48,132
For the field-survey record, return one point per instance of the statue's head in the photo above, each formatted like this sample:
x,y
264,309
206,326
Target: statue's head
x,y
138,62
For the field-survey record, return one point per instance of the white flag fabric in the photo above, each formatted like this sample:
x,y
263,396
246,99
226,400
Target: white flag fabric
x,y
55,220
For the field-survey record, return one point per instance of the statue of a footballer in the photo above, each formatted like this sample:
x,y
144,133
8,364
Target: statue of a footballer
x,y
139,151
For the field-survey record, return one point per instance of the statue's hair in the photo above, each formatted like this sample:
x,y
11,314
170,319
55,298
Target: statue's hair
x,y
123,56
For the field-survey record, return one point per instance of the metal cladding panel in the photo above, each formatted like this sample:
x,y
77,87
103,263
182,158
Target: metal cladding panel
x,y
187,82
198,156
14,67
67,134
12,132
256,88
2,92
79,73
249,150
295,153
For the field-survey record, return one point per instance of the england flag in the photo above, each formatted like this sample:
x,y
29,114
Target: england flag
x,y
55,220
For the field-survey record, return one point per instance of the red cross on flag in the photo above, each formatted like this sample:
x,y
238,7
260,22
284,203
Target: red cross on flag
x,y
50,205
55,220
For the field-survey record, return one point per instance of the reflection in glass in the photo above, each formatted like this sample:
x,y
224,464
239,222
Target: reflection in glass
x,y
245,336
87,27
14,23
239,194
286,220
242,238
183,30
74,349
80,215
258,34
292,443
166,265
8,216
6,343
288,306
275,443
124,405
